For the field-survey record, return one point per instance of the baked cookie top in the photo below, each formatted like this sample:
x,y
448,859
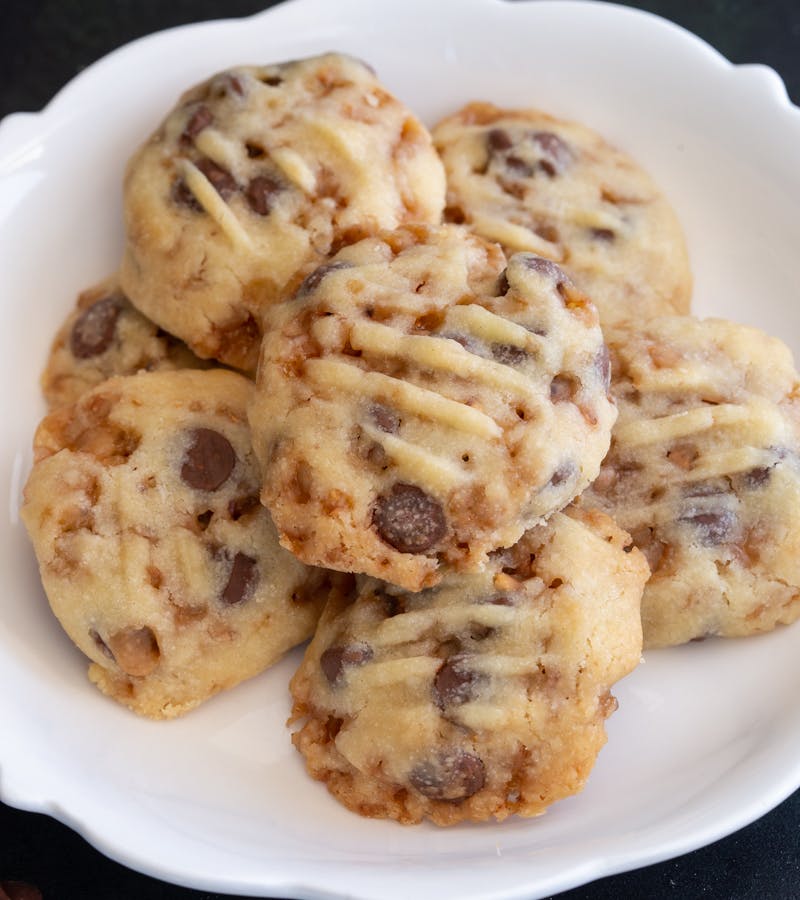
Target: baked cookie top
x,y
421,401
482,697
703,472
103,336
155,554
253,179
556,188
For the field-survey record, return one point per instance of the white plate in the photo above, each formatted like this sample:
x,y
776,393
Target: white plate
x,y
706,736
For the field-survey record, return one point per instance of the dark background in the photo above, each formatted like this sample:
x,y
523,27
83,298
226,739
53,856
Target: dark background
x,y
43,45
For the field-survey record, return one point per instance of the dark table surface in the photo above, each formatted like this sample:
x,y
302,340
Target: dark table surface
x,y
43,44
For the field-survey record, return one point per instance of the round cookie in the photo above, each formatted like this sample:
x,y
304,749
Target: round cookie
x,y
703,471
253,179
155,554
482,697
104,336
419,402
555,188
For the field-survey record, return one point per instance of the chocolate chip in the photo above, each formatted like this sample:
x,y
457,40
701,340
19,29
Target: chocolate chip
x,y
544,267
715,527
221,180
502,284
241,581
408,519
602,364
94,329
201,118
208,461
563,473
254,151
498,139
184,197
557,151
261,193
603,234
314,279
386,419
454,683
336,659
509,355
393,604
242,506
19,890
455,775
101,645
271,80
517,166
757,478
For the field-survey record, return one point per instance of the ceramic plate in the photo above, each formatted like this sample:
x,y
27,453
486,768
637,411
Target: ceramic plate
x,y
706,736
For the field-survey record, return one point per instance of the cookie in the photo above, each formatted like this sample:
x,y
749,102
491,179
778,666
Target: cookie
x,y
253,179
420,402
480,698
104,336
155,554
557,189
704,473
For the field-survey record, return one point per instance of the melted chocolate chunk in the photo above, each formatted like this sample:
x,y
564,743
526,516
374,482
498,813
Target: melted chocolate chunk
x,y
201,118
386,419
221,180
603,234
336,659
558,153
517,166
454,683
261,193
563,473
602,364
453,776
208,461
241,581
184,197
498,140
408,519
545,267
714,527
509,355
757,478
94,329
314,279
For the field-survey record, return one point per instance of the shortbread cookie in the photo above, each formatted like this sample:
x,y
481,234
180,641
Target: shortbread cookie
x,y
419,403
255,177
106,336
155,554
703,471
557,189
482,697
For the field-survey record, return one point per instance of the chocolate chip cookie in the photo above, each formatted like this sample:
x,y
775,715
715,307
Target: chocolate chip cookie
x,y
254,178
104,336
155,553
422,402
704,473
557,189
480,698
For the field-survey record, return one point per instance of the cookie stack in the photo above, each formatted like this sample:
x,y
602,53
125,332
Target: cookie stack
x,y
403,393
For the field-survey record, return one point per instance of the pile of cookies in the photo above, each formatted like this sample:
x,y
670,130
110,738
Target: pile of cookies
x,y
432,400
